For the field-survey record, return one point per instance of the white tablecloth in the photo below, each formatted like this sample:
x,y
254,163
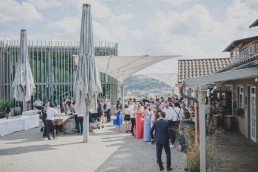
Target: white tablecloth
x,y
30,113
11,125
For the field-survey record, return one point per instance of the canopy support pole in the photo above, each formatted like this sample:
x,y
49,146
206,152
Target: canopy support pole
x,y
24,104
86,126
202,130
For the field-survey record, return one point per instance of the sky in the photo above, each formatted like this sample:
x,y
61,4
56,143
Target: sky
x,y
190,28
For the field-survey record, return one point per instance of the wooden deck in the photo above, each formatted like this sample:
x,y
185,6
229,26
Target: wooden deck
x,y
235,153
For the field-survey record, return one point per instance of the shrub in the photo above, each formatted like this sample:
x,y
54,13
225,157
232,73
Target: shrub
x,y
193,148
239,111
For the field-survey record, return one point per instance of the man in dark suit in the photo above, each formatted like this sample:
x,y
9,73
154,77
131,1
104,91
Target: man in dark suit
x,y
162,140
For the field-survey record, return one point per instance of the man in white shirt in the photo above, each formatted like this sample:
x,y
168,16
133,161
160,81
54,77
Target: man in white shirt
x,y
131,109
168,111
51,113
169,117
177,115
177,112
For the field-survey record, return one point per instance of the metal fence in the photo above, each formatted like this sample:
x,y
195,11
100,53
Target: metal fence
x,y
53,68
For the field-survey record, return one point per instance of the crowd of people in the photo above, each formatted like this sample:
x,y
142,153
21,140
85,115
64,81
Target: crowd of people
x,y
51,112
165,116
50,115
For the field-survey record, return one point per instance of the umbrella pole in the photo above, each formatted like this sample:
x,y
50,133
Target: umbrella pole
x,y
86,127
24,105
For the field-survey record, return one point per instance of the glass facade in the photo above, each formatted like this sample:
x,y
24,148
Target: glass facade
x,y
53,68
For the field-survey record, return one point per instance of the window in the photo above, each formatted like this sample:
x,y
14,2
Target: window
x,y
228,87
251,50
256,48
240,98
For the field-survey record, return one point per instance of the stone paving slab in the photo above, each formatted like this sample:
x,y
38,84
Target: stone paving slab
x,y
107,150
26,151
235,153
139,156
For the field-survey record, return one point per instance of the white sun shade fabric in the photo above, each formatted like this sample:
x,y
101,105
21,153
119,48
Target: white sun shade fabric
x,y
167,78
121,67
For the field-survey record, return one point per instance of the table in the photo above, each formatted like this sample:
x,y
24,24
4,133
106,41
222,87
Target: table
x,y
61,119
68,123
30,112
18,123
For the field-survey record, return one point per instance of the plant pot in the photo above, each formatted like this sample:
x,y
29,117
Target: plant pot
x,y
195,170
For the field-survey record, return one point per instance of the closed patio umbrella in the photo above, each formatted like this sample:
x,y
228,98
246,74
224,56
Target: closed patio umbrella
x,y
86,84
23,82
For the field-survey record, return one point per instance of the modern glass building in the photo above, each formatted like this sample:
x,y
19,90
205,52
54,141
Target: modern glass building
x,y
53,68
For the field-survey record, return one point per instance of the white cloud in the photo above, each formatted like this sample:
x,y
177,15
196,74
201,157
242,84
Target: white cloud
x,y
122,17
67,24
44,4
14,11
101,33
183,33
176,2
99,8
241,15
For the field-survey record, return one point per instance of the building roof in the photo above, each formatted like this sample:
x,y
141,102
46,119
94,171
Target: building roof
x,y
222,77
239,42
190,68
255,23
245,68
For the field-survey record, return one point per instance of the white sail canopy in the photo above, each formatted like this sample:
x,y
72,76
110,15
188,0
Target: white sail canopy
x,y
167,78
121,67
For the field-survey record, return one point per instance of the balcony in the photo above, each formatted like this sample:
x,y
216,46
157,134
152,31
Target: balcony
x,y
245,51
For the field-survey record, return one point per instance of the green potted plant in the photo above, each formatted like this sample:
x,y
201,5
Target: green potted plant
x,y
239,111
4,104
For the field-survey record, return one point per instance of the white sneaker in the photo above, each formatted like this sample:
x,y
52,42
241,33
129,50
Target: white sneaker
x,y
171,146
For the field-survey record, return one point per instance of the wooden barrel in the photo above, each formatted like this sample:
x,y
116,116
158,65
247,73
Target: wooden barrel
x,y
69,126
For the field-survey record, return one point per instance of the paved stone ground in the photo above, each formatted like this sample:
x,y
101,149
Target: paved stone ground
x,y
137,155
107,150
235,153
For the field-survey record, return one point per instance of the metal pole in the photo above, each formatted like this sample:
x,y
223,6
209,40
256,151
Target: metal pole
x,y
24,104
86,126
122,94
202,126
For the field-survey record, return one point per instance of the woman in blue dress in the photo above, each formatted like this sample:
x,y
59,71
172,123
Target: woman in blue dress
x,y
118,120
147,123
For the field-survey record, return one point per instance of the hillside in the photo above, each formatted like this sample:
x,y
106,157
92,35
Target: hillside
x,y
140,82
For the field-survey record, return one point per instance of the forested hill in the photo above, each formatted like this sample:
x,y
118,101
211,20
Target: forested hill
x,y
140,82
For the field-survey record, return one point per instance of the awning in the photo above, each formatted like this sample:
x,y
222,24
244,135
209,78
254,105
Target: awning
x,y
168,78
121,67
255,23
223,76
